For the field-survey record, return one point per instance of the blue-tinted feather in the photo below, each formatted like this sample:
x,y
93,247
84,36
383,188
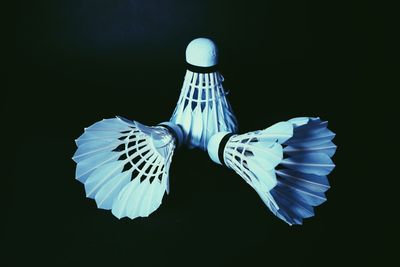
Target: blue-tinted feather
x,y
311,163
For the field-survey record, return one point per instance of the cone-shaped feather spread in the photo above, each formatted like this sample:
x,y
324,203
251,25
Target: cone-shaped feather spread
x,y
124,165
286,164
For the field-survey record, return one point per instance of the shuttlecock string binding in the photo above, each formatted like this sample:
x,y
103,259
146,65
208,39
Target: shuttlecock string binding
x,y
198,69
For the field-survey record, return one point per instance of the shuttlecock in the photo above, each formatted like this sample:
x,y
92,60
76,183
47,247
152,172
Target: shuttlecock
x,y
202,109
124,165
287,164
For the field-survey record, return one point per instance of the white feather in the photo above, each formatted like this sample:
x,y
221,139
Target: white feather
x,y
124,165
202,108
100,176
254,160
120,203
280,131
87,165
134,201
106,195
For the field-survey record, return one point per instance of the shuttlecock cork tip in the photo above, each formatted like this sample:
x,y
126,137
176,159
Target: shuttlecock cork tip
x,y
202,52
216,146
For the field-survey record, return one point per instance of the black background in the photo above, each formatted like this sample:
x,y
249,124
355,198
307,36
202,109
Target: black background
x,y
77,62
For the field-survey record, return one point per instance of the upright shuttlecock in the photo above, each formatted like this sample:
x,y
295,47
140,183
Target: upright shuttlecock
x,y
124,165
202,109
287,164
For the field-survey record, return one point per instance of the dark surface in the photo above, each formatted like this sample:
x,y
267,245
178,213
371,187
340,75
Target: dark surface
x,y
77,62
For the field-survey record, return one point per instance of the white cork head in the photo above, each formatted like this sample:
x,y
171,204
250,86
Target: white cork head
x,y
202,52
213,146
